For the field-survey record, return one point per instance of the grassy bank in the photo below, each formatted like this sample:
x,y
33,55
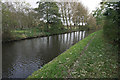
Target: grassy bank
x,y
19,34
99,60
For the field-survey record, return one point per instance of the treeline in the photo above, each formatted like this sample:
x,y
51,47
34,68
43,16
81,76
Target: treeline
x,y
108,16
48,16
72,15
17,15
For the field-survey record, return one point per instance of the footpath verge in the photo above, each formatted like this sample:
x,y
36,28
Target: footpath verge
x,y
91,57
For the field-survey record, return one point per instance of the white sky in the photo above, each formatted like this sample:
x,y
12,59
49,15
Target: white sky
x,y
90,4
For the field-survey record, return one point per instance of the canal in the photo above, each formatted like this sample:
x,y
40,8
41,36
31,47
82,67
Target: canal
x,y
21,58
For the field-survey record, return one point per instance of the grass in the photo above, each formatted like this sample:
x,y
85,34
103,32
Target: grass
x,y
61,64
32,33
20,34
98,61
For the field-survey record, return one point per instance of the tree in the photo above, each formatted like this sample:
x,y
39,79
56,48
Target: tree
x,y
7,20
112,21
80,14
48,12
108,16
98,14
91,21
73,13
61,7
16,15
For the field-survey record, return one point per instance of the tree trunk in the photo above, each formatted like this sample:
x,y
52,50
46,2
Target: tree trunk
x,y
47,19
62,8
65,10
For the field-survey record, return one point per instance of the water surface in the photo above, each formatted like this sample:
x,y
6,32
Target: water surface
x,y
22,58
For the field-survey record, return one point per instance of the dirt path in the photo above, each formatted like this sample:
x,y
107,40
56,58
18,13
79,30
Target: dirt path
x,y
73,68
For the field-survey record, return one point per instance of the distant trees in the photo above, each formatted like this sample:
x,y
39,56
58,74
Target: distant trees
x,y
48,16
112,22
98,14
7,20
70,14
108,17
49,13
73,14
91,21
16,15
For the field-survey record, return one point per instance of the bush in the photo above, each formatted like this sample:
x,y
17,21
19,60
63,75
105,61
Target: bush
x,y
112,25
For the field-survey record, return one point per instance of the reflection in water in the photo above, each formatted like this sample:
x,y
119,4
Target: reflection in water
x,y
22,58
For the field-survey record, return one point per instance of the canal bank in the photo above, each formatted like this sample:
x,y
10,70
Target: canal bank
x,y
18,35
99,60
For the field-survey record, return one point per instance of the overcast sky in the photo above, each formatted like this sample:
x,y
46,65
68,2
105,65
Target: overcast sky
x,y
91,4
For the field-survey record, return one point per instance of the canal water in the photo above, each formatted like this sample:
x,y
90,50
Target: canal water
x,y
21,58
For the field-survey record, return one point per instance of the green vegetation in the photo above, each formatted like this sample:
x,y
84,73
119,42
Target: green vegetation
x,y
99,58
48,11
20,21
98,61
112,22
35,32
108,17
59,66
